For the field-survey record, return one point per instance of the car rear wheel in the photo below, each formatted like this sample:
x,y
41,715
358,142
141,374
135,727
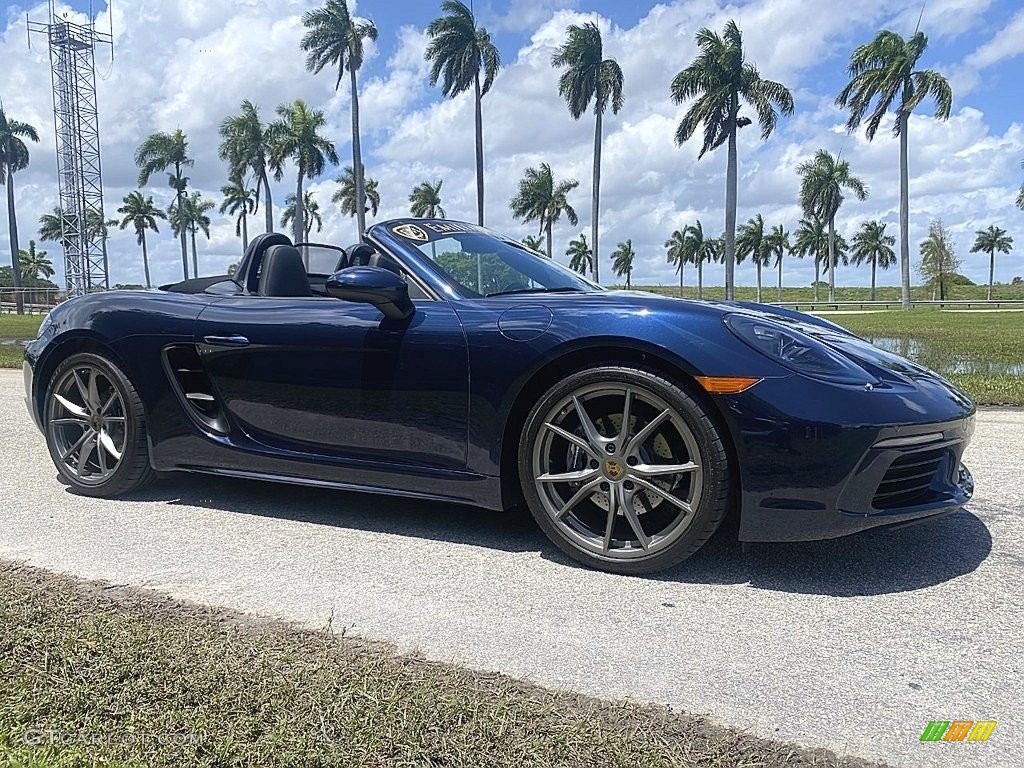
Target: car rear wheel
x,y
623,470
95,427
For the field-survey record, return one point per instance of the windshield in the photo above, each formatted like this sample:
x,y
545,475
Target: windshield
x,y
479,263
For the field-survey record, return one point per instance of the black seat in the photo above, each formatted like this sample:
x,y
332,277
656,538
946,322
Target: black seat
x,y
283,273
360,255
248,274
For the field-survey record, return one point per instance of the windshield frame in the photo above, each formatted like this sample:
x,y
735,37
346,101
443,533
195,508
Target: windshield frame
x,y
382,234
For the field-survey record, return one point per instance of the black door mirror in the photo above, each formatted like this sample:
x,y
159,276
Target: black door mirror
x,y
373,285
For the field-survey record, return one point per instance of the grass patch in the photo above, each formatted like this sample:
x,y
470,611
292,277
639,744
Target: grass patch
x,y
83,658
980,352
11,355
843,293
19,326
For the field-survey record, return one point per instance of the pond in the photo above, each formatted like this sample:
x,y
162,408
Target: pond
x,y
942,361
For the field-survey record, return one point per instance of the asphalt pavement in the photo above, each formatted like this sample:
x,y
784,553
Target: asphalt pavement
x,y
852,644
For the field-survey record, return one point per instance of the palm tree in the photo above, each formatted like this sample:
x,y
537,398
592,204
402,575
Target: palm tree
x,y
14,157
812,240
245,144
534,243
821,193
873,246
335,38
50,226
543,200
311,209
719,78
754,242
676,253
622,261
34,263
589,77
295,137
425,200
778,244
581,258
140,212
989,241
460,52
347,196
882,72
192,219
159,152
239,201
701,249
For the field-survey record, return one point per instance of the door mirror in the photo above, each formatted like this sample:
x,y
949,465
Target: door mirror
x,y
373,285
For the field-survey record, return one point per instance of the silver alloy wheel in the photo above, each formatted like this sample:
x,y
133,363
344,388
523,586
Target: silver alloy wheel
x,y
618,470
86,423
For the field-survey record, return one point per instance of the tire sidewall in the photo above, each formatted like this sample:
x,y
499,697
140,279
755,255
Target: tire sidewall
x,y
713,503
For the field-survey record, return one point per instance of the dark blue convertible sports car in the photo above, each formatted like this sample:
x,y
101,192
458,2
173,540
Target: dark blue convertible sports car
x,y
439,360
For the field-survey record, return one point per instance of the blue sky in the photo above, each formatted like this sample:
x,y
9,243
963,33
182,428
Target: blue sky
x,y
965,171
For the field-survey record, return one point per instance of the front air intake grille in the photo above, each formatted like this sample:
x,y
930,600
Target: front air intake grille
x,y
909,479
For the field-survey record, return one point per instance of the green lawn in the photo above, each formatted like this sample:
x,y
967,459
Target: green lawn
x,y
199,686
884,293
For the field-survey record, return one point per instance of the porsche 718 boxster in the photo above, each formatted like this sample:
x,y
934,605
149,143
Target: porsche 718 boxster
x,y
440,360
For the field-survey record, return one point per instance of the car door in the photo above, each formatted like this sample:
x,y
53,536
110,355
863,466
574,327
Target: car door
x,y
321,378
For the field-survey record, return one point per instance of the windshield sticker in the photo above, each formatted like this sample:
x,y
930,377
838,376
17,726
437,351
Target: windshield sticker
x,y
411,232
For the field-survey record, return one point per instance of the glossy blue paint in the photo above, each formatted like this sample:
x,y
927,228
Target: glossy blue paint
x,y
324,391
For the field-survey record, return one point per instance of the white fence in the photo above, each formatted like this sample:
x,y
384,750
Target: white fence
x,y
37,301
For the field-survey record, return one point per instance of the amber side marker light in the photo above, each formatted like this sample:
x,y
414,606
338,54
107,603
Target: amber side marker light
x,y
726,385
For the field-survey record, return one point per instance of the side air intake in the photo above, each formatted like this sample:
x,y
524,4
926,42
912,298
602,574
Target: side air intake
x,y
194,388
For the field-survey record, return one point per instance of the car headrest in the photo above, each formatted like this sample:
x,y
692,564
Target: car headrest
x,y
283,273
360,255
248,273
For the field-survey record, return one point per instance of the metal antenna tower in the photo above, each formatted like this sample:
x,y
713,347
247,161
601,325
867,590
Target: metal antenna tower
x,y
79,173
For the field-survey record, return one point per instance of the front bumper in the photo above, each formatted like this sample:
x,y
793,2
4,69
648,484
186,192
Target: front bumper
x,y
27,373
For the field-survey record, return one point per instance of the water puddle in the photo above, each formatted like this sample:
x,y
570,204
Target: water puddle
x,y
941,361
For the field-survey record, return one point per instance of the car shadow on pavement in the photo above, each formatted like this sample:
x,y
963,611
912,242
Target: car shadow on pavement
x,y
872,562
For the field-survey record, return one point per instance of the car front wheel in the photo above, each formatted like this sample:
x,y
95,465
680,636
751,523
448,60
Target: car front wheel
x,y
95,427
623,470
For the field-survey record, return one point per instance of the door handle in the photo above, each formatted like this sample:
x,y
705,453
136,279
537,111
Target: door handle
x,y
233,340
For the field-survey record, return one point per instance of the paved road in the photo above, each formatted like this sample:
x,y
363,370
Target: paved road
x,y
853,644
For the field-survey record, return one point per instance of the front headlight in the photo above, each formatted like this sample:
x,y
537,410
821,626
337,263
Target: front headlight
x,y
796,350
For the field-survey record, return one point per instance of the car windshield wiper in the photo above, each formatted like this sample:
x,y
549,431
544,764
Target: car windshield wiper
x,y
538,290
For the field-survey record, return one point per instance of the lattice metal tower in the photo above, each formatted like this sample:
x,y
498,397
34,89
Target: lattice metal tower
x,y
79,173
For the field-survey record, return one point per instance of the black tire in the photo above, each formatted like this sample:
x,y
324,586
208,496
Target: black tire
x,y
712,485
133,469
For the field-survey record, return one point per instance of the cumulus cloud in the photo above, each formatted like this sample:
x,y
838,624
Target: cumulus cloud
x,y
188,64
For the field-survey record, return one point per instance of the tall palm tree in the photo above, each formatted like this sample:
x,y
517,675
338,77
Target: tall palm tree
x,y
34,263
14,157
311,209
425,200
335,38
701,249
534,243
779,246
882,72
295,136
719,79
239,201
192,219
139,212
347,196
460,52
622,261
544,200
989,241
822,181
157,153
754,242
812,240
588,76
676,253
581,258
873,246
245,144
